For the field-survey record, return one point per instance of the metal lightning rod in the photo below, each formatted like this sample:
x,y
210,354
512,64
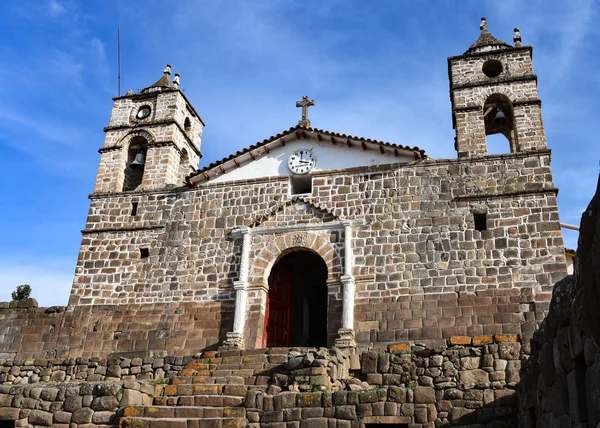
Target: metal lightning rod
x,y
119,59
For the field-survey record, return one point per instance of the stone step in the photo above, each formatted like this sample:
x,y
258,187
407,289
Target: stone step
x,y
184,412
143,422
207,389
200,400
208,380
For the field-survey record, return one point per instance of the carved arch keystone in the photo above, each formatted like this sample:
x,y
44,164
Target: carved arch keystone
x,y
293,241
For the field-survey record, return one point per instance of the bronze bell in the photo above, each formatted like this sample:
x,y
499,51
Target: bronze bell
x,y
500,118
139,160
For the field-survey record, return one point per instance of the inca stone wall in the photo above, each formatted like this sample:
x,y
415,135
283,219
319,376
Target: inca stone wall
x,y
469,381
98,331
560,381
422,270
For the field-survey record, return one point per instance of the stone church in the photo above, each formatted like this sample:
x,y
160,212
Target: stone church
x,y
313,237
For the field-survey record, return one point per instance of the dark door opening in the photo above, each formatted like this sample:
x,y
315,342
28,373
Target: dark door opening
x,y
296,312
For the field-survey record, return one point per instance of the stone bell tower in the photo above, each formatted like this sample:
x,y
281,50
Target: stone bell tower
x,y
493,90
152,140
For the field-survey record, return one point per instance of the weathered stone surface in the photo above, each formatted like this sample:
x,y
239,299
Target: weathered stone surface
x,y
38,417
104,403
82,416
424,395
473,379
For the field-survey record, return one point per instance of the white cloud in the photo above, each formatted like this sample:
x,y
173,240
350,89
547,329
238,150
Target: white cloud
x,y
50,284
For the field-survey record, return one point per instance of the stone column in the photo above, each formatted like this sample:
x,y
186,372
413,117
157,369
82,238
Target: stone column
x,y
346,333
235,338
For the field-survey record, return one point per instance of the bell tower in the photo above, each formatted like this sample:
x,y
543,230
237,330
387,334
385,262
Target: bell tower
x,y
152,141
493,90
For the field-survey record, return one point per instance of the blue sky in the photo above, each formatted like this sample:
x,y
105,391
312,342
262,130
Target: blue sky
x,y
376,69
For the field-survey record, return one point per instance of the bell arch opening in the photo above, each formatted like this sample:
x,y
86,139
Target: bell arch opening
x,y
135,163
184,165
296,312
499,125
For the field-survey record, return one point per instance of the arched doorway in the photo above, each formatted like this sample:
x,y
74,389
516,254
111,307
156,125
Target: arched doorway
x,y
296,313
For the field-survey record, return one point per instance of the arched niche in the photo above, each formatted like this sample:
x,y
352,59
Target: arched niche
x,y
498,116
135,163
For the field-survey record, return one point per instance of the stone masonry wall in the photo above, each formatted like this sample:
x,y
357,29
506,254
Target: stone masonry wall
x,y
97,331
165,132
470,88
468,381
416,251
560,381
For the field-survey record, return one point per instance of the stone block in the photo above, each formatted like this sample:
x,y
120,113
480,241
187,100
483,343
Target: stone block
x,y
103,417
272,417
369,362
482,340
460,340
39,417
473,379
314,423
82,416
397,394
107,402
9,414
402,347
424,395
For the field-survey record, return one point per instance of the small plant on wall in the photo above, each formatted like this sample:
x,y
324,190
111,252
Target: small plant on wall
x,y
22,292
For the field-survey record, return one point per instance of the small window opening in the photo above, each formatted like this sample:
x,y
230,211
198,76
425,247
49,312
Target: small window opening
x,y
187,125
480,221
492,68
144,253
134,208
116,335
301,184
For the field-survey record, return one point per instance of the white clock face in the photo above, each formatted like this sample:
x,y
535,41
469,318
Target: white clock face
x,y
302,161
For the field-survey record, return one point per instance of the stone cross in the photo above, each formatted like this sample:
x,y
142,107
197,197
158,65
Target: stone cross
x,y
305,104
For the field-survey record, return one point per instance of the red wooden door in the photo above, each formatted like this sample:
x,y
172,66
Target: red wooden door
x,y
278,315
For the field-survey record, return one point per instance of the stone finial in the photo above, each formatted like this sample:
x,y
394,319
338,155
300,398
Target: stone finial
x,y
483,24
517,37
129,92
176,80
167,69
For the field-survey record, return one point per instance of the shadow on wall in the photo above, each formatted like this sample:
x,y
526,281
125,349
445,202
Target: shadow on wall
x,y
561,381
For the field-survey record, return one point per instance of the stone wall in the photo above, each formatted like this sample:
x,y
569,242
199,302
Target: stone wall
x,y
97,331
560,381
471,380
71,404
417,248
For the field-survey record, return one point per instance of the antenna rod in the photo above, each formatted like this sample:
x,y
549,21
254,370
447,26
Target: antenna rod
x,y
119,58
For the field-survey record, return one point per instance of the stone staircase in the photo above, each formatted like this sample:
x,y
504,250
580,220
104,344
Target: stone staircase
x,y
209,393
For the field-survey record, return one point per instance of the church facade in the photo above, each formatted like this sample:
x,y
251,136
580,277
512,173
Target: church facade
x,y
316,238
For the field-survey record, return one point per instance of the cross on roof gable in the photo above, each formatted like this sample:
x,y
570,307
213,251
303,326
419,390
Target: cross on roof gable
x,y
299,132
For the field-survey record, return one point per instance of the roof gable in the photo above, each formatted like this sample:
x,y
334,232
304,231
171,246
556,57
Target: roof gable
x,y
336,151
